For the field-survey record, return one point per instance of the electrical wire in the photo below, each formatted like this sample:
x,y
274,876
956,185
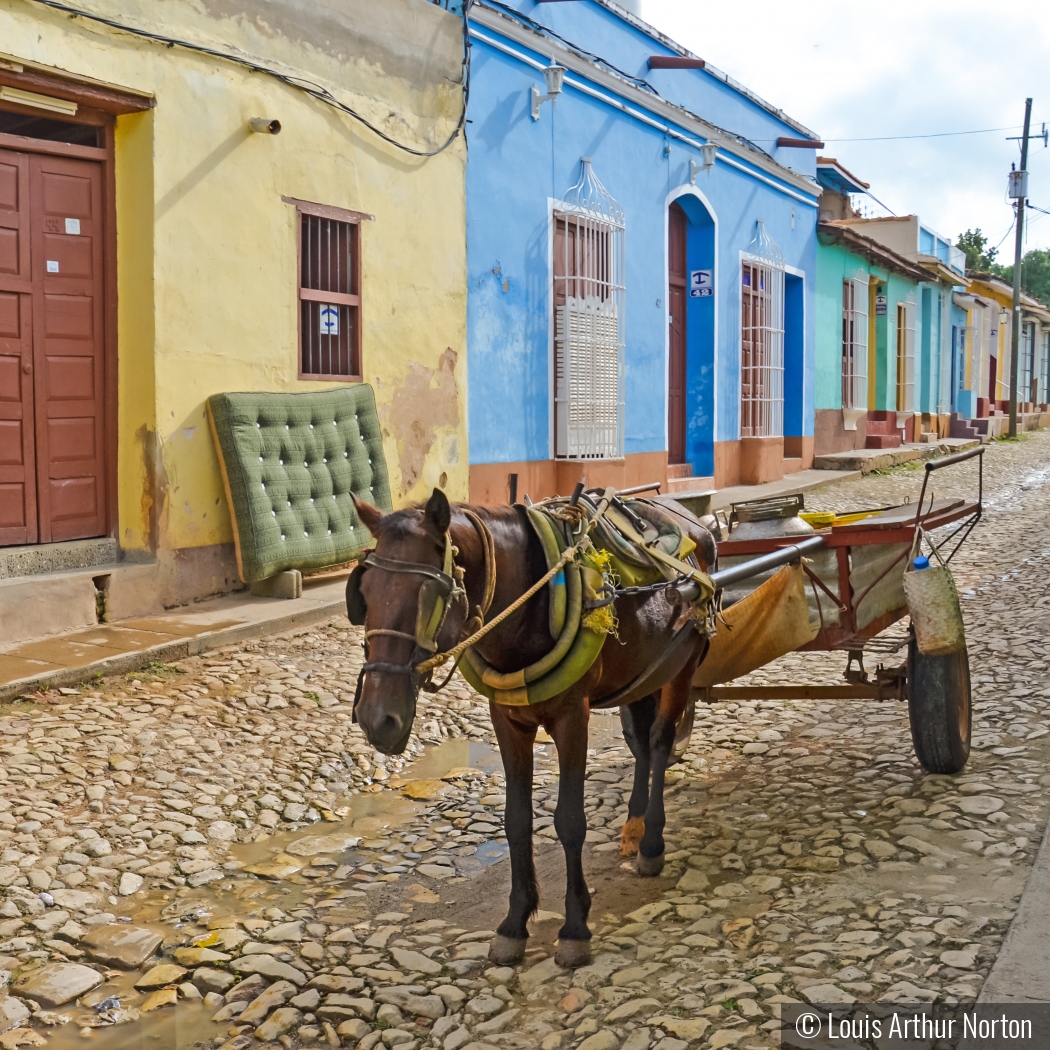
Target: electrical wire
x,y
309,87
546,31
932,135
877,201
640,82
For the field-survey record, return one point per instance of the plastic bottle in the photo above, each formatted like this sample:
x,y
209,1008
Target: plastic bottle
x,y
921,562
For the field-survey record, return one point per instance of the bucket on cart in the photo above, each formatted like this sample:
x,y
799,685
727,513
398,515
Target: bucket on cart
x,y
933,603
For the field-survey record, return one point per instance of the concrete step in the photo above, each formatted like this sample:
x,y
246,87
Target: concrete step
x,y
41,558
877,441
129,644
792,465
679,470
689,484
869,459
33,607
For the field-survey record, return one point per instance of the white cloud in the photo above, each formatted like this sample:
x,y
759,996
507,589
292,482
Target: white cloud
x,y
903,67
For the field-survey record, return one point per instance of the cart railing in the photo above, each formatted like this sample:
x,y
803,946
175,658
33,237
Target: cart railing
x,y
765,562
968,524
851,632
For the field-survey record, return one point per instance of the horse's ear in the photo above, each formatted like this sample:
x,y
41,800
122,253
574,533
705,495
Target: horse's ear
x,y
370,516
438,513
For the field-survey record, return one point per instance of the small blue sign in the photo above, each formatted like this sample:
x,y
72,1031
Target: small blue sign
x,y
701,284
329,320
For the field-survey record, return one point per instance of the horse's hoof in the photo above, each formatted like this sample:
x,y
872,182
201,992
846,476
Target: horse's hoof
x,y
650,866
631,836
507,951
571,954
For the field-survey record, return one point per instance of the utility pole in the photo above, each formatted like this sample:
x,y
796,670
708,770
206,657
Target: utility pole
x,y
1015,329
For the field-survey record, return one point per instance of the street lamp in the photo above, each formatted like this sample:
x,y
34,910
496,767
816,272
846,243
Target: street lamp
x,y
708,152
554,75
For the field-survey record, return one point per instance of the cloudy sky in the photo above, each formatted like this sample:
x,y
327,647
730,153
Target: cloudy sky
x,y
903,67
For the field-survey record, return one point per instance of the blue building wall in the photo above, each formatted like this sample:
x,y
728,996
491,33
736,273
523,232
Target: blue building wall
x,y
517,166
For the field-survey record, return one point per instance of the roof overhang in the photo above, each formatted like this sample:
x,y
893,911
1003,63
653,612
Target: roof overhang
x,y
838,233
995,285
641,104
672,45
940,269
832,174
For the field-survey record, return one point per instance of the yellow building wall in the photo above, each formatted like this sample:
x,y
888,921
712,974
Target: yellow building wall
x,y
207,269
1002,300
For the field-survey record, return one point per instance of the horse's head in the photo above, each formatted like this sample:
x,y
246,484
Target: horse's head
x,y
408,598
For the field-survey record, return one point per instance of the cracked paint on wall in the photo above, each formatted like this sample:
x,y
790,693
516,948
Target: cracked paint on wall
x,y
426,401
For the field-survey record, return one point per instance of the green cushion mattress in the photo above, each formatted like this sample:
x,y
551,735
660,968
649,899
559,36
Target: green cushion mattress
x,y
290,463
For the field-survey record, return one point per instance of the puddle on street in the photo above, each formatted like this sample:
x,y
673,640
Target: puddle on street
x,y
451,754
313,866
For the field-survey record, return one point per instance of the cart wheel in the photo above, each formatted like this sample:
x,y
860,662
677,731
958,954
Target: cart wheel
x,y
939,709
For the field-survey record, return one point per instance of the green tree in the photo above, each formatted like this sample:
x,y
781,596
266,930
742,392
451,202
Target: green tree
x,y
1035,273
978,255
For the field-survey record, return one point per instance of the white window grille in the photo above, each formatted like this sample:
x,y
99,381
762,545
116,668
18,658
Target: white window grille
x,y
1044,371
976,348
1025,391
588,322
855,342
966,335
906,357
762,338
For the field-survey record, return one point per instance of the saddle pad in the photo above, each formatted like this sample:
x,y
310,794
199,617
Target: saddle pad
x,y
289,464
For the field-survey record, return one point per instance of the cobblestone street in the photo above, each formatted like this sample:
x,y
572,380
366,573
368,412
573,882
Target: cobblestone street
x,y
211,855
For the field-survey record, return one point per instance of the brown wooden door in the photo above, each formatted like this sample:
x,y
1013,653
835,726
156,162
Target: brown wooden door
x,y
66,198
678,280
18,512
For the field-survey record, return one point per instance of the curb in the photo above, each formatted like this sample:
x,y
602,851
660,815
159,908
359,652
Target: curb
x,y
168,652
1021,971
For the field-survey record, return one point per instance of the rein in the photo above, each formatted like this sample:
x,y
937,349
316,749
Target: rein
x,y
569,555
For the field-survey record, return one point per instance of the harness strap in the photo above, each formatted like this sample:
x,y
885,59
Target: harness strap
x,y
488,548
413,567
390,634
570,554
382,668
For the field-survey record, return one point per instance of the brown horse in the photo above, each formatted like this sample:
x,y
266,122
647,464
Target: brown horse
x,y
411,549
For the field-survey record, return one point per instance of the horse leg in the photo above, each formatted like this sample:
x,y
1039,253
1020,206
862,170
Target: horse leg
x,y
637,722
672,702
569,731
515,746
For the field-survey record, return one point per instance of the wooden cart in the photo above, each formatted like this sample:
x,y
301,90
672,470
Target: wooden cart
x,y
936,688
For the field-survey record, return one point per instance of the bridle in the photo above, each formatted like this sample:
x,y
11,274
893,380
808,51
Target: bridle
x,y
441,589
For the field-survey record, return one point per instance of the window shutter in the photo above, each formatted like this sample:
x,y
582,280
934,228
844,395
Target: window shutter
x,y
588,322
762,339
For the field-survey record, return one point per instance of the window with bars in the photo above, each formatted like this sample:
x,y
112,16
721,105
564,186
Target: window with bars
x,y
762,339
905,357
1025,388
855,342
329,292
588,322
1043,394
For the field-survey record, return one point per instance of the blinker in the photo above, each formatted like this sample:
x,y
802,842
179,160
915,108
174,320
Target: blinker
x,y
356,609
432,604
430,613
